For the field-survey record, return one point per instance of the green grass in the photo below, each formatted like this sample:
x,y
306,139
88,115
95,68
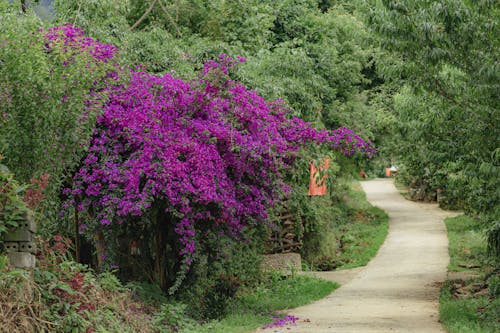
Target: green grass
x,y
471,313
255,308
359,233
366,231
467,245
478,314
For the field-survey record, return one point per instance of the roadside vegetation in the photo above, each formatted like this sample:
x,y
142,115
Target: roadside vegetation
x,y
470,298
351,234
61,295
171,142
159,172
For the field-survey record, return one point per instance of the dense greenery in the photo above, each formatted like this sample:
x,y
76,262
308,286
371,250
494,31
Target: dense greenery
x,y
445,56
51,91
348,230
223,147
13,209
87,107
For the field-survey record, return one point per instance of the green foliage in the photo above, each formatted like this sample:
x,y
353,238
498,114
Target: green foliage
x,y
150,293
444,55
278,292
243,23
494,286
12,207
173,317
351,233
494,239
224,265
45,92
254,307
64,296
70,298
43,99
314,59
106,19
466,243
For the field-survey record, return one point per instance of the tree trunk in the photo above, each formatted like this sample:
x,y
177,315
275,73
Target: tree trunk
x,y
100,248
24,5
161,272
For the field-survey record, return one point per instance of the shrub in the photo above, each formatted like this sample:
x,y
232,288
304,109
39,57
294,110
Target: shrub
x,y
53,83
12,207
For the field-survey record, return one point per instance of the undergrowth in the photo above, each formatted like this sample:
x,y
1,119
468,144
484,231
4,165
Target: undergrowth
x,y
60,295
257,306
352,233
469,302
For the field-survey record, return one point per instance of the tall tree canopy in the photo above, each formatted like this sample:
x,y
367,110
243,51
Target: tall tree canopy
x,y
448,110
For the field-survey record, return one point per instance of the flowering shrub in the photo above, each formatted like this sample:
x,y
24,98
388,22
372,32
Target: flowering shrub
x,y
211,149
53,84
73,40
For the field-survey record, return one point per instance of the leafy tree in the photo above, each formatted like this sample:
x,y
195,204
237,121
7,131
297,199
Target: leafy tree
x,y
448,110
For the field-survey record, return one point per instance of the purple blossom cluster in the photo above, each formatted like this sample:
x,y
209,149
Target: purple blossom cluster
x,y
281,322
210,150
74,40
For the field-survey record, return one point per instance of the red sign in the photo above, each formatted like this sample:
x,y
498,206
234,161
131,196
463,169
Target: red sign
x,y
317,185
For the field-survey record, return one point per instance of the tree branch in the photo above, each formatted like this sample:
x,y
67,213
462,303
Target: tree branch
x,y
170,19
146,13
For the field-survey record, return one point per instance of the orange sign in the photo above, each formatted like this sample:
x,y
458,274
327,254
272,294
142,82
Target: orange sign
x,y
317,184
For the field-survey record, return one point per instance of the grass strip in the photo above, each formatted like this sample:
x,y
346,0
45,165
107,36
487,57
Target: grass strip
x,y
365,231
469,301
255,308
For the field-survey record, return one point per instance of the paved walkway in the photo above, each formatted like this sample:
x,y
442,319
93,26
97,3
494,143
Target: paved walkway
x,y
398,290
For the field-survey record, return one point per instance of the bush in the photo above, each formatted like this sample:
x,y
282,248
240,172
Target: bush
x,y
53,83
12,207
223,266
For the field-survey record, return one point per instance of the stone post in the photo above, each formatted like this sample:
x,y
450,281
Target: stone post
x,y
19,244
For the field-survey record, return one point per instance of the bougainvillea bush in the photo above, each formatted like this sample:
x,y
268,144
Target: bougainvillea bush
x,y
211,151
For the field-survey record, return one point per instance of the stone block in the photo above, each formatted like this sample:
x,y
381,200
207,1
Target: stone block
x,y
27,247
19,235
28,224
21,259
11,247
284,262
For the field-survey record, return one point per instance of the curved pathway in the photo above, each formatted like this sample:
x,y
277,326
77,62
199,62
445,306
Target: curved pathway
x,y
398,290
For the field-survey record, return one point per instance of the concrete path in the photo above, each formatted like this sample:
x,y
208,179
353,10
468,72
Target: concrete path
x,y
398,290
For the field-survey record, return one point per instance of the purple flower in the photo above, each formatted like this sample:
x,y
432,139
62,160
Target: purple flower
x,y
281,322
211,149
82,228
